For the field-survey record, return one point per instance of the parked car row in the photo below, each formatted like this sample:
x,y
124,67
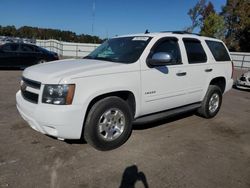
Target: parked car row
x,y
21,55
4,39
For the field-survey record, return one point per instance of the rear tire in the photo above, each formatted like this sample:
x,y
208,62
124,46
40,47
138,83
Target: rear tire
x,y
210,105
108,124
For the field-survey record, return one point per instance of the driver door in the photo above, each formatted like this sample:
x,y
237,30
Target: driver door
x,y
164,87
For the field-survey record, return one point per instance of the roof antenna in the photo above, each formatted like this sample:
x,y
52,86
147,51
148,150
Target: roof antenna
x,y
146,32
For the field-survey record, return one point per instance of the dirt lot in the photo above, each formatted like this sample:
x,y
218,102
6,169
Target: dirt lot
x,y
186,151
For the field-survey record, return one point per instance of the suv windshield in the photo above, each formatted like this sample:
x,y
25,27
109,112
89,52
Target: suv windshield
x,y
122,50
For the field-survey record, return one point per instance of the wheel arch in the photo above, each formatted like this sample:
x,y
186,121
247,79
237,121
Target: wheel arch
x,y
126,95
220,82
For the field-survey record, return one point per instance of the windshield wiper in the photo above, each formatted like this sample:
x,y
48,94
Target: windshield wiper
x,y
88,57
105,59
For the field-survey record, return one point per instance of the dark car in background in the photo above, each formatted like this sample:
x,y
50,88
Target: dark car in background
x,y
21,55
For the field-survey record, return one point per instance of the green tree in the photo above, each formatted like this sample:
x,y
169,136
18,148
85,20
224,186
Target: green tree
x,y
245,40
213,26
209,8
195,14
8,31
44,33
237,17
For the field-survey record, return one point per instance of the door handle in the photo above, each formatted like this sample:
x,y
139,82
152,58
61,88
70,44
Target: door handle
x,y
208,70
181,74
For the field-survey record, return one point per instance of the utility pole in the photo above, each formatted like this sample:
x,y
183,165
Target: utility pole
x,y
93,18
107,34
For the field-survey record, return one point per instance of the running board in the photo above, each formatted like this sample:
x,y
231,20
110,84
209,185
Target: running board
x,y
168,113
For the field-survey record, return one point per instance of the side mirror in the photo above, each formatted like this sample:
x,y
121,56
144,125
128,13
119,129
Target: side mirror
x,y
160,59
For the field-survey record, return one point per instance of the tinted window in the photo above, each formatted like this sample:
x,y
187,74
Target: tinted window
x,y
42,50
218,50
37,49
171,47
26,48
195,51
10,47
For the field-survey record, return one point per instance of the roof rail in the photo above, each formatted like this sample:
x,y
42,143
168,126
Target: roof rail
x,y
181,32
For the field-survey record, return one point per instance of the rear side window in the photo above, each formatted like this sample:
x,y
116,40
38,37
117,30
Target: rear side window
x,y
37,49
10,47
26,48
218,50
195,51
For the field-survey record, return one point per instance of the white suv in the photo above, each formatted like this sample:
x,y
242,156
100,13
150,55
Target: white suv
x,y
129,78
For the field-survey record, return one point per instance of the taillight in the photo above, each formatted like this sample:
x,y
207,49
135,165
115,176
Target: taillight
x,y
232,69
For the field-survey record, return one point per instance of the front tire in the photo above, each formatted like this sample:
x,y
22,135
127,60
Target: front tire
x,y
210,105
108,124
41,61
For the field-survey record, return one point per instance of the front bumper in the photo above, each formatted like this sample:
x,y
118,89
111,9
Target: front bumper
x,y
61,121
242,84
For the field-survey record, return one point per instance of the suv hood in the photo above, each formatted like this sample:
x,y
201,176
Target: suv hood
x,y
56,71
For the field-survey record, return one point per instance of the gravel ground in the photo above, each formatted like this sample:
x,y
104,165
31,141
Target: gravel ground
x,y
184,151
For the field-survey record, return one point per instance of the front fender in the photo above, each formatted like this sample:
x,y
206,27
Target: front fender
x,y
88,88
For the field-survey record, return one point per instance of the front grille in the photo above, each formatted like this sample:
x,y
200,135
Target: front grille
x,y
244,85
32,83
31,97
28,95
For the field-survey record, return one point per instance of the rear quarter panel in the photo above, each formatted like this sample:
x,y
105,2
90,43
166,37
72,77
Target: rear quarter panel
x,y
220,68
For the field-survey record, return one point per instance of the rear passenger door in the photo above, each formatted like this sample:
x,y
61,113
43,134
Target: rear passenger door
x,y
198,69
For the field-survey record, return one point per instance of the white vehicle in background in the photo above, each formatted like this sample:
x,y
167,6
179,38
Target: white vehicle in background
x,y
130,78
244,81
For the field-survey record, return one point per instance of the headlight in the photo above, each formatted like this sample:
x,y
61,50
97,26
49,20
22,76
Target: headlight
x,y
58,94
